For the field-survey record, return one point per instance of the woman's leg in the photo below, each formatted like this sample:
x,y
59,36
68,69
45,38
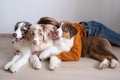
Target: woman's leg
x,y
98,29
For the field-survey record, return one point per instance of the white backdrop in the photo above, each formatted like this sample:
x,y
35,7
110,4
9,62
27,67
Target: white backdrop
x,y
105,11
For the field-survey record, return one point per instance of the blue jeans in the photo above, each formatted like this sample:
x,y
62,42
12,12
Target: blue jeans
x,y
94,28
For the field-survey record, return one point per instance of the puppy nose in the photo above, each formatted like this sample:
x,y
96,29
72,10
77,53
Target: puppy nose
x,y
14,34
34,42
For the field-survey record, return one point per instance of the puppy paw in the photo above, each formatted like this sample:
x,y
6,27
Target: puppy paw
x,y
37,65
35,62
114,63
14,68
104,64
44,55
54,62
7,66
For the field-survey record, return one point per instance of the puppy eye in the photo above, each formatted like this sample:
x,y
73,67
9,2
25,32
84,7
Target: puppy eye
x,y
54,28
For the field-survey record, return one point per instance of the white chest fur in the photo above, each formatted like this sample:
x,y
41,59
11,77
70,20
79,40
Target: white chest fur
x,y
64,44
21,45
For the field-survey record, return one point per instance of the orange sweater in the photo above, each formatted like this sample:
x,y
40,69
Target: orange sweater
x,y
75,52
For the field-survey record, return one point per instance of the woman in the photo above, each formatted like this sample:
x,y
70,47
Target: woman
x,y
90,28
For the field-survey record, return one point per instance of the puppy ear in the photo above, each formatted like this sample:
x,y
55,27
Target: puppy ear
x,y
73,31
68,26
16,26
28,24
29,35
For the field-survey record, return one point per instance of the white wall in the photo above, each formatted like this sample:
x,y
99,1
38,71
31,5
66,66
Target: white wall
x,y
105,11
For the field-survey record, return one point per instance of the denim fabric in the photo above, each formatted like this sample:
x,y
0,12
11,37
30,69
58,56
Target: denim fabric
x,y
94,28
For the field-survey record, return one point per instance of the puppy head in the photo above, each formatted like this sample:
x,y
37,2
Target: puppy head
x,y
20,30
36,34
66,30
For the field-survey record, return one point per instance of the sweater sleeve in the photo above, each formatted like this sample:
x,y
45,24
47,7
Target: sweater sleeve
x,y
75,52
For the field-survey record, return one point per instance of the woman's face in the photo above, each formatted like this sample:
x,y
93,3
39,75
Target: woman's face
x,y
52,29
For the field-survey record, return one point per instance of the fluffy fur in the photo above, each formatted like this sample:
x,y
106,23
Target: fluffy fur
x,y
39,41
22,47
100,49
95,47
63,43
